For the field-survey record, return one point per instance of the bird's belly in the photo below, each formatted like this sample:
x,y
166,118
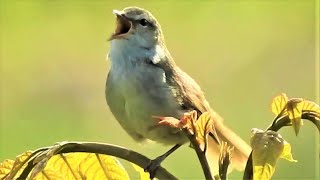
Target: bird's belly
x,y
146,96
147,103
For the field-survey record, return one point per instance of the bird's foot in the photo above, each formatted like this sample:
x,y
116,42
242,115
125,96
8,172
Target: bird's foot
x,y
153,166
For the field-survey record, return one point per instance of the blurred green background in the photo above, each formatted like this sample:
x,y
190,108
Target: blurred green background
x,y
242,53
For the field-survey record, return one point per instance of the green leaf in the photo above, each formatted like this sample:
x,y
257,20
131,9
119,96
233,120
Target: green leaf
x,y
294,109
263,172
311,107
5,167
286,153
15,167
267,148
66,166
279,103
83,166
203,126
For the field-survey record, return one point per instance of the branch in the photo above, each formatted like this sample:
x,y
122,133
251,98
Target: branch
x,y
100,148
201,155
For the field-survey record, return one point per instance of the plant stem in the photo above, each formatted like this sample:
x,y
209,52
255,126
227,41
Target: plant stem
x,y
201,156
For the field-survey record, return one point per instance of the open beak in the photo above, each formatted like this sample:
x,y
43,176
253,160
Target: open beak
x,y
124,25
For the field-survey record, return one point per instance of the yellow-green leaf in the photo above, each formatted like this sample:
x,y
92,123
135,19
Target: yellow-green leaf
x,y
286,153
266,150
96,166
143,175
5,167
294,108
278,104
83,166
263,172
65,166
310,106
45,175
19,164
203,126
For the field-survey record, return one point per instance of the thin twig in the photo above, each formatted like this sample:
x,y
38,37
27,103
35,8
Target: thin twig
x,y
201,156
248,172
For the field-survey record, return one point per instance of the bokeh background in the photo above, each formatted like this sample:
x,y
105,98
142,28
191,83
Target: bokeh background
x,y
242,53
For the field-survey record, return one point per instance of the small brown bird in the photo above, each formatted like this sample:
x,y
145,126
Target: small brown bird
x,y
144,81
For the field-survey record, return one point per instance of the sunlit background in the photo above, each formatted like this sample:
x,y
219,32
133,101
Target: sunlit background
x,y
242,53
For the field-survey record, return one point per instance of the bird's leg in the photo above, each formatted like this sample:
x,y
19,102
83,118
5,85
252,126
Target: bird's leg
x,y
155,163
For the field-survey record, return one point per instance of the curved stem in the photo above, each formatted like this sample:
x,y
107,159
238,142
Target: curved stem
x,y
107,149
248,172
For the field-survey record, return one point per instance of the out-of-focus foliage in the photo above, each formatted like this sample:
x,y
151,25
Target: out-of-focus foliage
x,y
241,53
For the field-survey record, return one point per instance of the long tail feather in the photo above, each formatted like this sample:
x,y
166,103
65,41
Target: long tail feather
x,y
241,148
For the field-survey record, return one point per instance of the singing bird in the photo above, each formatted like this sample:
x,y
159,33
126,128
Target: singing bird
x,y
144,81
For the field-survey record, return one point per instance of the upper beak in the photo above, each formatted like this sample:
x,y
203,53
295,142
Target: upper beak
x,y
117,12
124,25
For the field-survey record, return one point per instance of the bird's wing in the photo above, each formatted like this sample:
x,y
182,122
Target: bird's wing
x,y
191,93
192,98
187,91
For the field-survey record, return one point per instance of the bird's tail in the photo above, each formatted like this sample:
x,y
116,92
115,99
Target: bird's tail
x,y
241,148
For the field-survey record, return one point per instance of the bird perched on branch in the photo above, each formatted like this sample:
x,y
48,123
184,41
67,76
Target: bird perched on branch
x,y
144,81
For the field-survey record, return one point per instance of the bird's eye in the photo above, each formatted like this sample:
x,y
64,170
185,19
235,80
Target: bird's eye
x,y
144,22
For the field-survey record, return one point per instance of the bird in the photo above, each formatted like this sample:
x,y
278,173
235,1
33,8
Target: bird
x,y
144,81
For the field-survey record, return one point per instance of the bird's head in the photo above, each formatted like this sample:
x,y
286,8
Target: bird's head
x,y
138,26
